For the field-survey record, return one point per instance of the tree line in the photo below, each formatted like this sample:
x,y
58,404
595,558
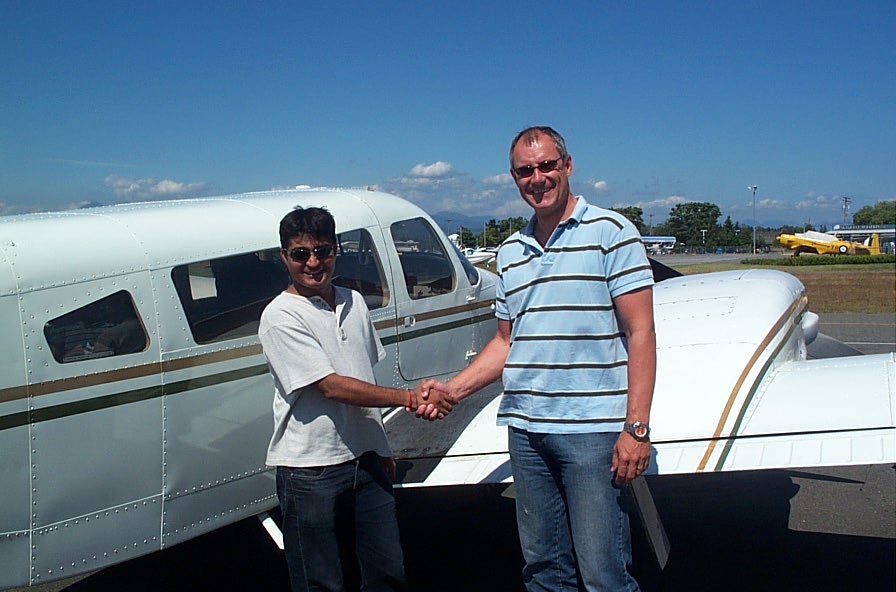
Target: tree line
x,y
692,224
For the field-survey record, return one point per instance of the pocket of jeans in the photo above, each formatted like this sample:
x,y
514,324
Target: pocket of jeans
x,y
308,472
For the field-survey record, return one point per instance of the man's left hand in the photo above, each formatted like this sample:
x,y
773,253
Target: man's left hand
x,y
388,466
630,458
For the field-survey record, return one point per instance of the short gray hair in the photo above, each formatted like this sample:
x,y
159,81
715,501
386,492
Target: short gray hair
x,y
530,135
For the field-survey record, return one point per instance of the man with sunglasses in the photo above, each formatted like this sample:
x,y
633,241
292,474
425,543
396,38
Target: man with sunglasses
x,y
334,464
576,350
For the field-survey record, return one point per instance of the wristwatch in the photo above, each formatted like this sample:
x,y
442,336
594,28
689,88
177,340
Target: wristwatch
x,y
639,430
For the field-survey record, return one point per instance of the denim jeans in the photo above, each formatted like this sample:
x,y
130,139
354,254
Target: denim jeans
x,y
317,504
573,522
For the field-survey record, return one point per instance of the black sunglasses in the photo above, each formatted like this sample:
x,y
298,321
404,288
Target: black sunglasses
x,y
543,167
302,254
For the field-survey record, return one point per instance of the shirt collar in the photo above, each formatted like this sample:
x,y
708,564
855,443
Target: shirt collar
x,y
576,217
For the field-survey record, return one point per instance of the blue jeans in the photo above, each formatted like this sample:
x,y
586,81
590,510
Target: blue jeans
x,y
319,504
573,522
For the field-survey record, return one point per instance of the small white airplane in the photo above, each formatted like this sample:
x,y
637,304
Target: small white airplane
x,y
659,245
479,255
135,403
474,255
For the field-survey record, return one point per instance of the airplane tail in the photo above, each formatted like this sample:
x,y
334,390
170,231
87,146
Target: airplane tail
x,y
873,244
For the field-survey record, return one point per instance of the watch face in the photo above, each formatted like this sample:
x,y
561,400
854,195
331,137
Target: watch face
x,y
641,431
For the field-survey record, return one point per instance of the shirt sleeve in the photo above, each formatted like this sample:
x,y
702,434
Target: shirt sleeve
x,y
294,354
627,265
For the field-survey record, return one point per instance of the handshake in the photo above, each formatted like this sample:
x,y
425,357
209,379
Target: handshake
x,y
431,400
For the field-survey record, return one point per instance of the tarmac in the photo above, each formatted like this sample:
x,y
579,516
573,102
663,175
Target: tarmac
x,y
826,529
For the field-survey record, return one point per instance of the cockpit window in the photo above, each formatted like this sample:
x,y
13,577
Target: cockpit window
x,y
424,262
358,267
107,327
223,298
471,271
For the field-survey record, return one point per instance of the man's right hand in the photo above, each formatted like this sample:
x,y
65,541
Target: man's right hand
x,y
433,400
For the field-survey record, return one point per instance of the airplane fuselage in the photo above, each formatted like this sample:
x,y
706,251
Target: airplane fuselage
x,y
135,403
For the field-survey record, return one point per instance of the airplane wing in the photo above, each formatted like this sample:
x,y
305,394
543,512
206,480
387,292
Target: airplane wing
x,y
811,413
735,388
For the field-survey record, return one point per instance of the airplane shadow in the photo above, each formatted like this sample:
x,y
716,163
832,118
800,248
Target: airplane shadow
x,y
726,531
730,531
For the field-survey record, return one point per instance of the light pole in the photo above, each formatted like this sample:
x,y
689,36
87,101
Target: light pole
x,y
753,188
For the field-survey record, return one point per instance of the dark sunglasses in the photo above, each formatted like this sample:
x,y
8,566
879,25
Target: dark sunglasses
x,y
302,254
543,167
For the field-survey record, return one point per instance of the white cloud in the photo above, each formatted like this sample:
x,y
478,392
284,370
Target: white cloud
x,y
672,200
129,189
817,200
504,179
436,169
663,204
601,186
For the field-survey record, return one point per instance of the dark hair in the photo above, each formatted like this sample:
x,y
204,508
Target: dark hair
x,y
530,135
317,223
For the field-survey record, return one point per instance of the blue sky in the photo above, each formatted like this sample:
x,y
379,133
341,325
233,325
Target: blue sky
x,y
660,102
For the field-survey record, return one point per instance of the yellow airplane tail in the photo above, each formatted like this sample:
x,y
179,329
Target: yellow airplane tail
x,y
873,244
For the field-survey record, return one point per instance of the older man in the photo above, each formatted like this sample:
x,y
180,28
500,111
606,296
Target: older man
x,y
576,349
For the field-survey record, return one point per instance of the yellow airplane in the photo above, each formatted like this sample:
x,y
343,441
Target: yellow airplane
x,y
827,244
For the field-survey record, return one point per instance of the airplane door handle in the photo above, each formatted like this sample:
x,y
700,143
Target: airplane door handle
x,y
409,321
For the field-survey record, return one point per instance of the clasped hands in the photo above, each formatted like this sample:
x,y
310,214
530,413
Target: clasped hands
x,y
431,400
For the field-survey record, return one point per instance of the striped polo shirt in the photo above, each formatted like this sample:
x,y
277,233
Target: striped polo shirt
x,y
566,370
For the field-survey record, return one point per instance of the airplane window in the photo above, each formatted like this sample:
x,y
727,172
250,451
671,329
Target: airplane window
x,y
358,267
424,262
223,298
471,271
107,327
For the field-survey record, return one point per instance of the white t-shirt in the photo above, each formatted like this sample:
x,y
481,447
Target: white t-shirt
x,y
303,341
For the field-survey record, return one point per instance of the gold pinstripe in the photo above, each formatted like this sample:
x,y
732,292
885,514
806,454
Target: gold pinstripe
x,y
797,306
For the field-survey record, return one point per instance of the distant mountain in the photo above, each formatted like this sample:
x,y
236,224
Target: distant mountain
x,y
452,221
89,204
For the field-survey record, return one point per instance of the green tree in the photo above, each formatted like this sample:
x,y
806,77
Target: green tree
x,y
491,234
686,221
733,234
883,212
510,225
466,237
496,231
635,215
726,234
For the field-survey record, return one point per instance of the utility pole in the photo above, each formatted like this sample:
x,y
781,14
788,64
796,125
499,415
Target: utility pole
x,y
753,188
846,202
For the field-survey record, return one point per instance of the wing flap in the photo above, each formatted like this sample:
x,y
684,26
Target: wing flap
x,y
825,395
829,412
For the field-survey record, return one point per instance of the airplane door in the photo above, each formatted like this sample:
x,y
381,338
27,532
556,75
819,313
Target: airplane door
x,y
95,409
435,333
